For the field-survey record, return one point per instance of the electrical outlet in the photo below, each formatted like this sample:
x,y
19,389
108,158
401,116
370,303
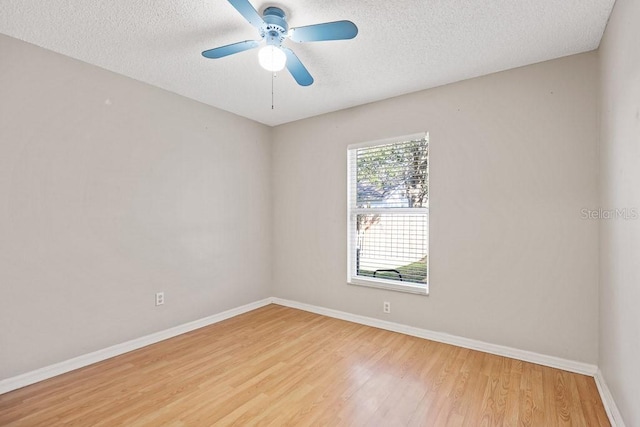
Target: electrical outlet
x,y
386,307
159,298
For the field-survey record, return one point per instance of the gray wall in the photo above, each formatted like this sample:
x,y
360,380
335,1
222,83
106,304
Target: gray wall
x,y
112,190
620,189
513,162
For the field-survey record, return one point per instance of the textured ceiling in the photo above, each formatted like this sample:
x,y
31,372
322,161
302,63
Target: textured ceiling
x,y
402,46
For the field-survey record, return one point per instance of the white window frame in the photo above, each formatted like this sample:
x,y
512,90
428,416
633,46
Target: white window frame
x,y
352,211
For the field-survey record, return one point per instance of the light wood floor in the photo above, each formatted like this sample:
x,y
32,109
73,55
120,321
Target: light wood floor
x,y
280,366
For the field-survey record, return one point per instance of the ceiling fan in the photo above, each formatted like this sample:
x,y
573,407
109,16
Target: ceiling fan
x,y
273,29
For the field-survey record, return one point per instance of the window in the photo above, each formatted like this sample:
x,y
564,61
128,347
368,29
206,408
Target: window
x,y
389,214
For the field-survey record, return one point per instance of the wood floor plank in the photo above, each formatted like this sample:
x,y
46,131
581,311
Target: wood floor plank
x,y
279,366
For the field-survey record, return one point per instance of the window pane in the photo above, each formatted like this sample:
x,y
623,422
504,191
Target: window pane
x,y
393,175
392,246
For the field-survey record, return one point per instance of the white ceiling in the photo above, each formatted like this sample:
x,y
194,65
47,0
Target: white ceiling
x,y
402,46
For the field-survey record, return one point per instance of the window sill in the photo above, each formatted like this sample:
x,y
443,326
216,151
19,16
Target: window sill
x,y
390,285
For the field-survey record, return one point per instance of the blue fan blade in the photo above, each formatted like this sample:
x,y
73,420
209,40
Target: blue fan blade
x,y
297,70
230,49
248,11
339,30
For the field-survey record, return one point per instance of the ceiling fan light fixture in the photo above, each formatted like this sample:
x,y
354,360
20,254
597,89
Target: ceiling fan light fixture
x,y
273,29
272,58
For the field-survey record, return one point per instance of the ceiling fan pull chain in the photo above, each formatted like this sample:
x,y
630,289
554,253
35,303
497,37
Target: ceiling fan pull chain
x,y
272,77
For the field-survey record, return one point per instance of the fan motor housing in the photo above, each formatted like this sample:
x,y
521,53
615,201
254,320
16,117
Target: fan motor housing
x,y
276,28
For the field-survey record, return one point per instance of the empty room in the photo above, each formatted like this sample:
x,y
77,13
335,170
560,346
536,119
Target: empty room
x,y
355,213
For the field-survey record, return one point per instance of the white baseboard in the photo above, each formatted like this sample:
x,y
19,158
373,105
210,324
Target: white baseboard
x,y
524,355
50,371
47,372
615,418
